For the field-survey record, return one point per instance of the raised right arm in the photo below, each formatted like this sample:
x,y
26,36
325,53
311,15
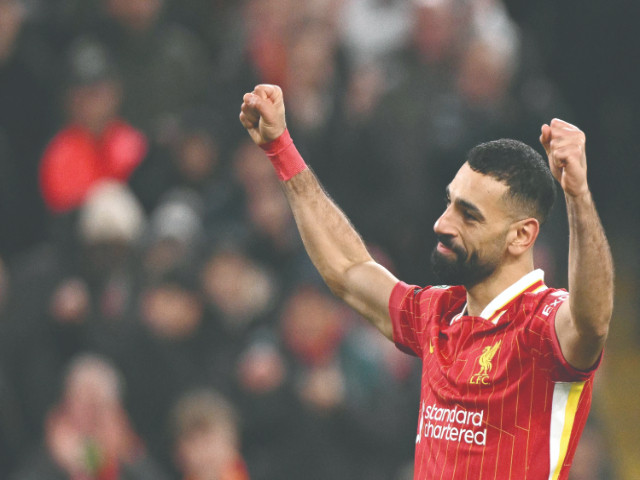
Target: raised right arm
x,y
333,245
339,253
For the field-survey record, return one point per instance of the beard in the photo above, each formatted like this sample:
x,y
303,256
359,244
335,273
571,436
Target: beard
x,y
465,269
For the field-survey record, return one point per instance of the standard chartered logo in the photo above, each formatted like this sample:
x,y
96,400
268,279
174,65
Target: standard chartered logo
x,y
451,424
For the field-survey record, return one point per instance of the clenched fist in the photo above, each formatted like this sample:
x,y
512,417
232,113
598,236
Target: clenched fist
x,y
565,147
262,113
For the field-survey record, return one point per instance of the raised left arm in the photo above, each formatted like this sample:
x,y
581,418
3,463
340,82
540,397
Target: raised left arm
x,y
582,323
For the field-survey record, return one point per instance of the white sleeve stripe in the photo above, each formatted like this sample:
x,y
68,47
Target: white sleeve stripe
x,y
564,407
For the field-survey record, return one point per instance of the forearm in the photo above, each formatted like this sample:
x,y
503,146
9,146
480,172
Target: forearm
x,y
331,242
590,268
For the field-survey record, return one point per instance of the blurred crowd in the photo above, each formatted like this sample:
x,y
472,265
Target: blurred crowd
x,y
159,317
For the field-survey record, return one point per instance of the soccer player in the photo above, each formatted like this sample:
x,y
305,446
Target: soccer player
x,y
508,363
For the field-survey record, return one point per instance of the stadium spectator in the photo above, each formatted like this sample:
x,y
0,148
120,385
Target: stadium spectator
x,y
372,31
175,236
68,301
207,438
192,161
96,144
164,67
168,351
87,434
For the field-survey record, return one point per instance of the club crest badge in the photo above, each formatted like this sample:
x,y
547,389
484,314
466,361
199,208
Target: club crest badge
x,y
481,377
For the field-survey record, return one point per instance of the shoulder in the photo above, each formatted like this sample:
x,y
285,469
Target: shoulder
x,y
544,302
412,309
420,300
536,311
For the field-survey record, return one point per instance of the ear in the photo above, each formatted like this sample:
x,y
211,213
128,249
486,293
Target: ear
x,y
523,235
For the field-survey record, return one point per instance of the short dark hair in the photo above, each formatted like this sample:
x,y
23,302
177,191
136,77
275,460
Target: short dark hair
x,y
522,169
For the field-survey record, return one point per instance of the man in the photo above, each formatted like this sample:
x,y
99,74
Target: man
x,y
508,363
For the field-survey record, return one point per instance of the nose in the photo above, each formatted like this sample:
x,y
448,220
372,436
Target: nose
x,y
444,224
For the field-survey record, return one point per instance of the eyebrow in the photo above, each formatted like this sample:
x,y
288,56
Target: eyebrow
x,y
468,206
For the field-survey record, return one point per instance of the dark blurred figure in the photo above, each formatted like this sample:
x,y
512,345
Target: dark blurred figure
x,y
238,290
267,26
351,392
174,238
214,21
87,434
109,229
374,30
96,144
65,302
191,332
167,353
268,407
207,438
191,162
381,387
241,295
291,393
26,121
313,84
165,69
267,229
253,50
312,328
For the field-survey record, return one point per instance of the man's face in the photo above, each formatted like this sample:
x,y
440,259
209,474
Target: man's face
x,y
472,231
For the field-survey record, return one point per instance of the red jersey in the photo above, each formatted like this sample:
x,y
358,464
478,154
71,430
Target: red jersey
x,y
499,401
76,159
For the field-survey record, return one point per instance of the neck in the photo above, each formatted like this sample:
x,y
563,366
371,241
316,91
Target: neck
x,y
479,295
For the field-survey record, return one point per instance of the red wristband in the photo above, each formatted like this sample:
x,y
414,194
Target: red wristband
x,y
284,156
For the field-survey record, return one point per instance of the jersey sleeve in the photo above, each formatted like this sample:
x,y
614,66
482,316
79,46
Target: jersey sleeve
x,y
562,370
406,318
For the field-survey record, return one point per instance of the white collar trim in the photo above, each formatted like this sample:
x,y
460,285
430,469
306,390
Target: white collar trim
x,y
510,293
